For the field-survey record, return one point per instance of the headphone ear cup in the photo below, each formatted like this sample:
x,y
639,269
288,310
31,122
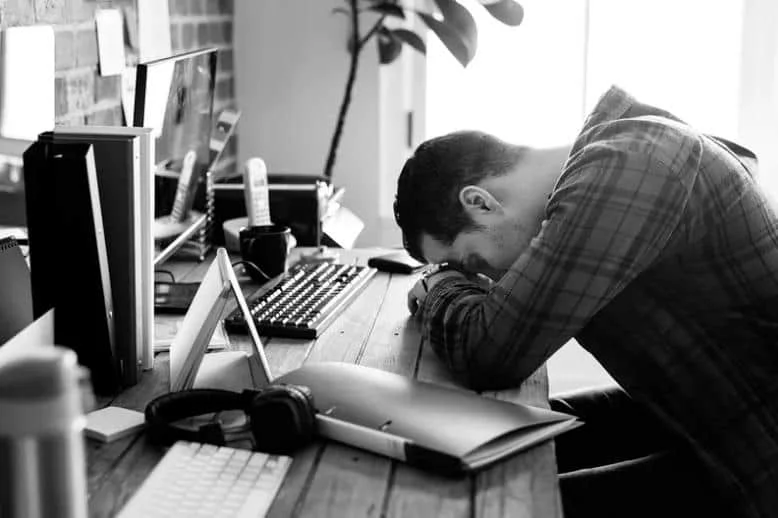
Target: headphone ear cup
x,y
282,418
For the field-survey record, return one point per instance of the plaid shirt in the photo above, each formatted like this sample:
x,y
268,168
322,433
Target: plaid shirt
x,y
659,254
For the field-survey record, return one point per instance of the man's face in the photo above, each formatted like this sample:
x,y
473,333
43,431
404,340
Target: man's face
x,y
489,251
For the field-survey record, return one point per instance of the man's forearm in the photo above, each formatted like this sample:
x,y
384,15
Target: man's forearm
x,y
456,325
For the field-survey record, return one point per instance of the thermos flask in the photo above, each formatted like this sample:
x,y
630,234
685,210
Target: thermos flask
x,y
42,458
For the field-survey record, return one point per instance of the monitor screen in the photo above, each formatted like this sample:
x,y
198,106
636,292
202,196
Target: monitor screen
x,y
174,97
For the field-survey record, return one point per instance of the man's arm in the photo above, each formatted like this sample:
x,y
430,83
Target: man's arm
x,y
611,218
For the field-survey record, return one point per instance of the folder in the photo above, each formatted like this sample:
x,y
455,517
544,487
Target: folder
x,y
448,430
145,220
117,161
69,268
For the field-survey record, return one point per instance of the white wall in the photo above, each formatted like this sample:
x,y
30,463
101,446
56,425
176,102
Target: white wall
x,y
291,65
758,118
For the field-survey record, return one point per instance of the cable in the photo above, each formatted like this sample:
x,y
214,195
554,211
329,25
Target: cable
x,y
253,266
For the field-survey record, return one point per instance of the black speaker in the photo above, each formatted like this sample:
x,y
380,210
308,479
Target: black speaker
x,y
297,201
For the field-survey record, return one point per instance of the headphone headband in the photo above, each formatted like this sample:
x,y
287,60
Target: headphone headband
x,y
281,417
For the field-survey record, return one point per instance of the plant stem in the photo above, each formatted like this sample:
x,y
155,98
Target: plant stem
x,y
372,31
344,105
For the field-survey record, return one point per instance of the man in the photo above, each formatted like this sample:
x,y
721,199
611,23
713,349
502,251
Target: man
x,y
652,245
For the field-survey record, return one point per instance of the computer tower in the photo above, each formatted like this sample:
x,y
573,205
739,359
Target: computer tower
x,y
68,259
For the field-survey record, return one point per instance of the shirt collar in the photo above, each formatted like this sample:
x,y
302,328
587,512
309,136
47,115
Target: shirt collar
x,y
612,105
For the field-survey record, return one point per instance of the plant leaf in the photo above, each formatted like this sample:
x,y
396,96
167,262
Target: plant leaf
x,y
389,46
410,38
389,9
508,12
457,16
450,38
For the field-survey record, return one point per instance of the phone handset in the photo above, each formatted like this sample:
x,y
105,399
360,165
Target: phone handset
x,y
256,192
182,190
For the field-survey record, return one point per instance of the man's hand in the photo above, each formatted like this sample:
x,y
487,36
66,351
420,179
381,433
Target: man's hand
x,y
421,288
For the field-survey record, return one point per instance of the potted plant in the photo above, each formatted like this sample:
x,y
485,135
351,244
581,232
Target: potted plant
x,y
449,20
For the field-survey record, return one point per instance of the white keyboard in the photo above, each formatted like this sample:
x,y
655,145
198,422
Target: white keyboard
x,y
195,479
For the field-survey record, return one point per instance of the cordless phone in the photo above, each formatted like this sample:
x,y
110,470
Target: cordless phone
x,y
256,192
225,127
180,202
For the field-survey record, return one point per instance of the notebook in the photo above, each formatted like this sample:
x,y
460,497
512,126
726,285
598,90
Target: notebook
x,y
117,161
442,429
68,254
144,227
16,292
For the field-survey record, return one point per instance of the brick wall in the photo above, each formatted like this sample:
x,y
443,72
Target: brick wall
x,y
85,97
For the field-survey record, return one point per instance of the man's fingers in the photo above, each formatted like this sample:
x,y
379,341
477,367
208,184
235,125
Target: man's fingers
x,y
413,304
416,296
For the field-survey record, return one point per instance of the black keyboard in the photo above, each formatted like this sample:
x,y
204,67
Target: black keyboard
x,y
303,302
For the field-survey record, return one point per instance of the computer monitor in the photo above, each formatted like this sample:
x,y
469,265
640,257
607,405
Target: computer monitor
x,y
174,97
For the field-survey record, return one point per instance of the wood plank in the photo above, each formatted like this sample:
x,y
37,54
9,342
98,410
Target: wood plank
x,y
526,485
116,461
347,482
416,493
129,473
345,339
395,346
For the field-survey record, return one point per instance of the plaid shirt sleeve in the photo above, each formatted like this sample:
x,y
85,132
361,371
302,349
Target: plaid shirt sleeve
x,y
614,209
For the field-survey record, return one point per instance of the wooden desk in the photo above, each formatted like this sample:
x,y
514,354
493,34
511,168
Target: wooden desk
x,y
330,479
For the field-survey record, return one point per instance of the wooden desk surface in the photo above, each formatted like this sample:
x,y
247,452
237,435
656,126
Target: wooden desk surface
x,y
331,479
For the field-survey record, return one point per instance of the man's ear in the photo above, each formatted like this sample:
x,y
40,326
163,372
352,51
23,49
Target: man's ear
x,y
478,201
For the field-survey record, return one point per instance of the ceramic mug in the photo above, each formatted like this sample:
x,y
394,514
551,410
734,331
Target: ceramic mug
x,y
267,247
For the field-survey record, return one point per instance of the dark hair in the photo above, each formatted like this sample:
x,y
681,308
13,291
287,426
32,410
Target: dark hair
x,y
427,199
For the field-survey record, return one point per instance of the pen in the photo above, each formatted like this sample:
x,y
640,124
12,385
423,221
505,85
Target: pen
x,y
384,443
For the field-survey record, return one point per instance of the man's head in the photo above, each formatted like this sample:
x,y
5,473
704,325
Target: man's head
x,y
472,199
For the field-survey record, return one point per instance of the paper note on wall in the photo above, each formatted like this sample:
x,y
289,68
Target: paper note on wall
x,y
26,81
110,41
153,30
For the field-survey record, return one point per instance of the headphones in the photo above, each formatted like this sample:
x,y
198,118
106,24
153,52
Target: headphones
x,y
281,417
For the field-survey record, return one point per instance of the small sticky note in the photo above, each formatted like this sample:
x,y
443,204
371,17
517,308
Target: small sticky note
x,y
112,423
110,41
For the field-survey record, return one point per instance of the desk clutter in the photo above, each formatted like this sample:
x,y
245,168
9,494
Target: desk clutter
x,y
437,428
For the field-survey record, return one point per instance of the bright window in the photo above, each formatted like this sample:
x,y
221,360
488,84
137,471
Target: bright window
x,y
534,84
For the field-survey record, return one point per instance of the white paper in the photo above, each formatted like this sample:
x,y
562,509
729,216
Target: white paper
x,y
128,94
39,333
166,328
110,41
153,30
26,81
